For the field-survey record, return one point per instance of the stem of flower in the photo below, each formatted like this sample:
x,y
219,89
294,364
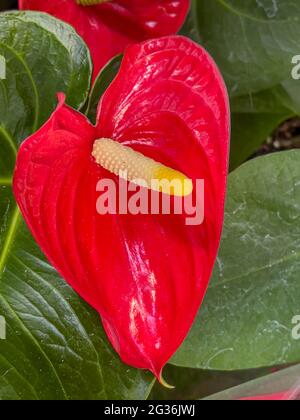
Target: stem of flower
x,y
91,2
134,167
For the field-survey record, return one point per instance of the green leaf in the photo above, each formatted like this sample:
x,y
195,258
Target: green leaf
x,y
285,381
55,346
249,131
102,82
254,118
246,320
252,41
189,28
289,92
28,94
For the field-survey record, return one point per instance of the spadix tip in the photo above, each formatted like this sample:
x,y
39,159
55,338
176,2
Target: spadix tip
x,y
165,383
133,166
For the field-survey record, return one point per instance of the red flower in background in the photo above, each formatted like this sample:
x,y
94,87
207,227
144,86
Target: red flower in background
x,y
109,27
145,274
280,396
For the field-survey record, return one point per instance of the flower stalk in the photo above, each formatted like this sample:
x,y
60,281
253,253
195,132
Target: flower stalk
x,y
91,2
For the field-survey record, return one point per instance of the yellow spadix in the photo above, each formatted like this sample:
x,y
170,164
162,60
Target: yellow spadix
x,y
134,167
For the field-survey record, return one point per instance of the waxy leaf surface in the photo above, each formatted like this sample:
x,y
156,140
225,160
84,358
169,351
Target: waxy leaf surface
x,y
254,44
252,41
248,318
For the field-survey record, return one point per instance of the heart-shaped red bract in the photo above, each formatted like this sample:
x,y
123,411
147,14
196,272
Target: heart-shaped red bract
x,y
145,274
108,28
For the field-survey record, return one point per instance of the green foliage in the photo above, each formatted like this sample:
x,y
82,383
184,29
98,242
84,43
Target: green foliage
x,y
246,320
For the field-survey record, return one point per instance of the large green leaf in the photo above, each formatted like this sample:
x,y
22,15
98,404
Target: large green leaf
x,y
189,29
55,346
285,382
246,319
252,41
43,56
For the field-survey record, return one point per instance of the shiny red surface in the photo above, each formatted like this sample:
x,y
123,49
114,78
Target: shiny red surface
x,y
280,396
147,274
108,28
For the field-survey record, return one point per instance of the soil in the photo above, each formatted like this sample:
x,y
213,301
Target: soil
x,y
286,137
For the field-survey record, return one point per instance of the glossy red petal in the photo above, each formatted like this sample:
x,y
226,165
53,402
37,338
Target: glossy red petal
x,y
281,396
170,103
109,28
146,274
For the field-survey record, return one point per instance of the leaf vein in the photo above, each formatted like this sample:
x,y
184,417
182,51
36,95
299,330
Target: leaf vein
x,y
9,239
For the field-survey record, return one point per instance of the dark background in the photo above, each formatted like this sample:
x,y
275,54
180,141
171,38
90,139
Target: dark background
x,y
8,4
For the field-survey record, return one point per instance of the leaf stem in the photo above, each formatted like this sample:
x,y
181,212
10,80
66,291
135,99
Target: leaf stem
x,y
9,239
6,181
91,2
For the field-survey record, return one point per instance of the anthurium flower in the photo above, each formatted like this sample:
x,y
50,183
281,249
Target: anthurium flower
x,y
108,26
145,274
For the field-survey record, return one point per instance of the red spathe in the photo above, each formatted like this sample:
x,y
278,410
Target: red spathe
x,y
109,28
147,274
